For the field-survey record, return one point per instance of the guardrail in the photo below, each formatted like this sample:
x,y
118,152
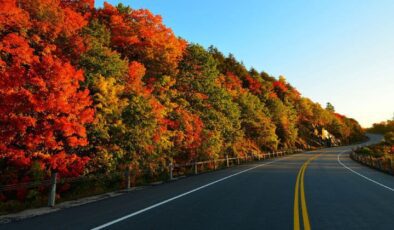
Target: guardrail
x,y
229,161
382,164
173,170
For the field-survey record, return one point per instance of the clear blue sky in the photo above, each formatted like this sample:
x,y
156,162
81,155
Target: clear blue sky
x,y
338,51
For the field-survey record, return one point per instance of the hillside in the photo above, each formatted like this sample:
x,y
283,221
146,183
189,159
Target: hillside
x,y
86,90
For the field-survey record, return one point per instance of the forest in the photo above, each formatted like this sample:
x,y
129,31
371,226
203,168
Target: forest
x,y
87,90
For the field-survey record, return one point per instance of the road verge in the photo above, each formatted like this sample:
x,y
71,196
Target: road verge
x,y
382,164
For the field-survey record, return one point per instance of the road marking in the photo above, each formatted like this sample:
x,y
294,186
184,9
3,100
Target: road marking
x,y
361,175
180,195
305,216
299,189
296,205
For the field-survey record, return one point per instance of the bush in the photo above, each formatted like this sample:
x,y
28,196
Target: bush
x,y
364,151
377,154
389,138
375,151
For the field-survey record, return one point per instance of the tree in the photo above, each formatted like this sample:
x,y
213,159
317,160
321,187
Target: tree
x,y
141,36
284,118
197,76
256,125
13,18
109,104
188,138
43,111
51,20
330,107
142,136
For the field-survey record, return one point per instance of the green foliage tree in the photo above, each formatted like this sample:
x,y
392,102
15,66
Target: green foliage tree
x,y
108,126
99,59
197,82
284,117
256,123
330,107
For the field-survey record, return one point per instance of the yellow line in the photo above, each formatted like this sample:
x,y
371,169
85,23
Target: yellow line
x,y
296,206
305,217
300,186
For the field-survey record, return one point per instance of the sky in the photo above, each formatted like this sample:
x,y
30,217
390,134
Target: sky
x,y
334,51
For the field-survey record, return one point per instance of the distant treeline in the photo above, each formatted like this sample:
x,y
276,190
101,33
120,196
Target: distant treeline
x,y
382,127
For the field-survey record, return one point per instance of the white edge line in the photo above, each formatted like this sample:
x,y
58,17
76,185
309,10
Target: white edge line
x,y
178,196
361,175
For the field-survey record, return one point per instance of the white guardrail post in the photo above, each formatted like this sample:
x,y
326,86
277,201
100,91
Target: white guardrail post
x,y
227,162
128,177
171,170
52,190
195,168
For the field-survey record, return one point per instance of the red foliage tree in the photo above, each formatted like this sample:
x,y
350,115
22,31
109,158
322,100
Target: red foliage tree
x,y
79,5
141,36
280,89
42,109
136,73
49,19
12,18
253,85
279,86
232,83
188,138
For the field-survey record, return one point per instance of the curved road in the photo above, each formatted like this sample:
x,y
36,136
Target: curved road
x,y
321,189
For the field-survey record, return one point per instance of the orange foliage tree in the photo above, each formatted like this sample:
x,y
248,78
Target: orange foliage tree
x,y
43,110
141,36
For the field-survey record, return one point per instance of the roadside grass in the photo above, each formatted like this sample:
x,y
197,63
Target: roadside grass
x,y
379,156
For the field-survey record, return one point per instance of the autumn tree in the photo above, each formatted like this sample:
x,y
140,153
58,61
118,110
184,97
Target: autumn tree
x,y
103,133
228,63
284,117
43,110
141,36
196,80
256,123
99,59
330,107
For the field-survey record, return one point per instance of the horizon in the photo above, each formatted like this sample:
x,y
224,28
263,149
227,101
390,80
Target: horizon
x,y
324,49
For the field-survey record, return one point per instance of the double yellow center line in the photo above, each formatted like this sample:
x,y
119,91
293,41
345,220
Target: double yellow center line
x,y
300,191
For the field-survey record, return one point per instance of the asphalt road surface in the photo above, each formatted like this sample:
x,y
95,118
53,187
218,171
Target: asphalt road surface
x,y
321,189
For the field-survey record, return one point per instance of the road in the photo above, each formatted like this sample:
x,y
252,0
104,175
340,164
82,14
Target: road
x,y
321,189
